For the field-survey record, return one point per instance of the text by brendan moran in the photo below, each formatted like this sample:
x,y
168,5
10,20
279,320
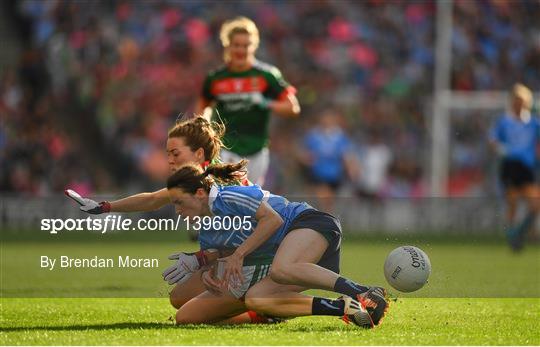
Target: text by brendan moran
x,y
65,262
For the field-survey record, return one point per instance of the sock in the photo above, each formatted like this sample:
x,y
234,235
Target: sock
x,y
257,318
327,307
348,287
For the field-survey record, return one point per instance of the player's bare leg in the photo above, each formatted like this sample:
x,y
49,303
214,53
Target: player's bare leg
x,y
326,197
183,292
512,233
295,263
274,299
207,308
512,196
296,258
517,230
271,298
531,192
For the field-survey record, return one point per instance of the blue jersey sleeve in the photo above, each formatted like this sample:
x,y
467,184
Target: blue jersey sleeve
x,y
238,201
204,238
203,244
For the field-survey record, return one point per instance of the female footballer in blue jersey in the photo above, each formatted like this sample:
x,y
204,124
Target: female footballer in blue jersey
x,y
197,141
515,137
304,244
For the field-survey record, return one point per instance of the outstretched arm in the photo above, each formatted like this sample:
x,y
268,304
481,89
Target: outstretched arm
x,y
142,202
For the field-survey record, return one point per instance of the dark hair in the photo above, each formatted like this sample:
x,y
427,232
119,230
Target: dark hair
x,y
190,177
198,133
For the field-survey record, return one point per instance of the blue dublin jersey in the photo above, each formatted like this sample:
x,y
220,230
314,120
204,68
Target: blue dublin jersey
x,y
242,202
328,150
518,138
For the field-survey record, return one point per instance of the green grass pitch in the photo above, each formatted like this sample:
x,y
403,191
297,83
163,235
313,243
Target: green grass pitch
x,y
479,293
410,321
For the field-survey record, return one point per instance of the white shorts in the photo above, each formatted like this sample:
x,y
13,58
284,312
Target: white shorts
x,y
252,275
257,166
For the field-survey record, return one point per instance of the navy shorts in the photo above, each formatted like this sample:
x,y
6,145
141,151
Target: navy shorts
x,y
314,179
515,174
329,227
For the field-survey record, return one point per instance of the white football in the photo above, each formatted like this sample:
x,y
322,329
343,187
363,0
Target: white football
x,y
407,268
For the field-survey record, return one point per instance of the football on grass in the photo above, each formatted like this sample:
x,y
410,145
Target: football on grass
x,y
407,268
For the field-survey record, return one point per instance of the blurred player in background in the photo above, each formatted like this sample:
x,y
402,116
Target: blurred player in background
x,y
376,159
242,94
328,159
515,137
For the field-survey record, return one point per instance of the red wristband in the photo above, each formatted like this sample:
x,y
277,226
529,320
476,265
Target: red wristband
x,y
201,258
105,206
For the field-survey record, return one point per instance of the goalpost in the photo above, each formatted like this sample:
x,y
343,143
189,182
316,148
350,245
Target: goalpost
x,y
492,103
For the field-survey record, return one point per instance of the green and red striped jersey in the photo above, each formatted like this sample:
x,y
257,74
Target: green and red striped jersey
x,y
246,124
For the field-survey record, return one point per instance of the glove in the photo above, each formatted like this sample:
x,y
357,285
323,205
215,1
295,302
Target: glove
x,y
89,205
186,264
258,100
92,207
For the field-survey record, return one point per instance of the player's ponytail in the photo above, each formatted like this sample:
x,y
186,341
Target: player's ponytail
x,y
198,133
227,173
189,178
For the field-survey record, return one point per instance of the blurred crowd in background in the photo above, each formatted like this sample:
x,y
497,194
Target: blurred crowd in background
x,y
98,83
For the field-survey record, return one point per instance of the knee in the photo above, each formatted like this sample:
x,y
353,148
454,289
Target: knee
x,y
176,302
181,318
179,296
254,302
281,274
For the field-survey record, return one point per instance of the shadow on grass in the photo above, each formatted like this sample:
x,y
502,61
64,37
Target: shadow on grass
x,y
138,326
168,325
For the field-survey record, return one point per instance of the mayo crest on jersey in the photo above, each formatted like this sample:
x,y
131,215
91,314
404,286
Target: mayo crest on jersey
x,y
244,201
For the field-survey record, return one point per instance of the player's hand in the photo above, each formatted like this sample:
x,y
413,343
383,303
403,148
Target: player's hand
x,y
259,101
233,269
89,205
213,285
186,264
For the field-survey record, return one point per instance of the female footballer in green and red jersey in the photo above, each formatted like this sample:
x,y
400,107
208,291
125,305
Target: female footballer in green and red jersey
x,y
242,94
